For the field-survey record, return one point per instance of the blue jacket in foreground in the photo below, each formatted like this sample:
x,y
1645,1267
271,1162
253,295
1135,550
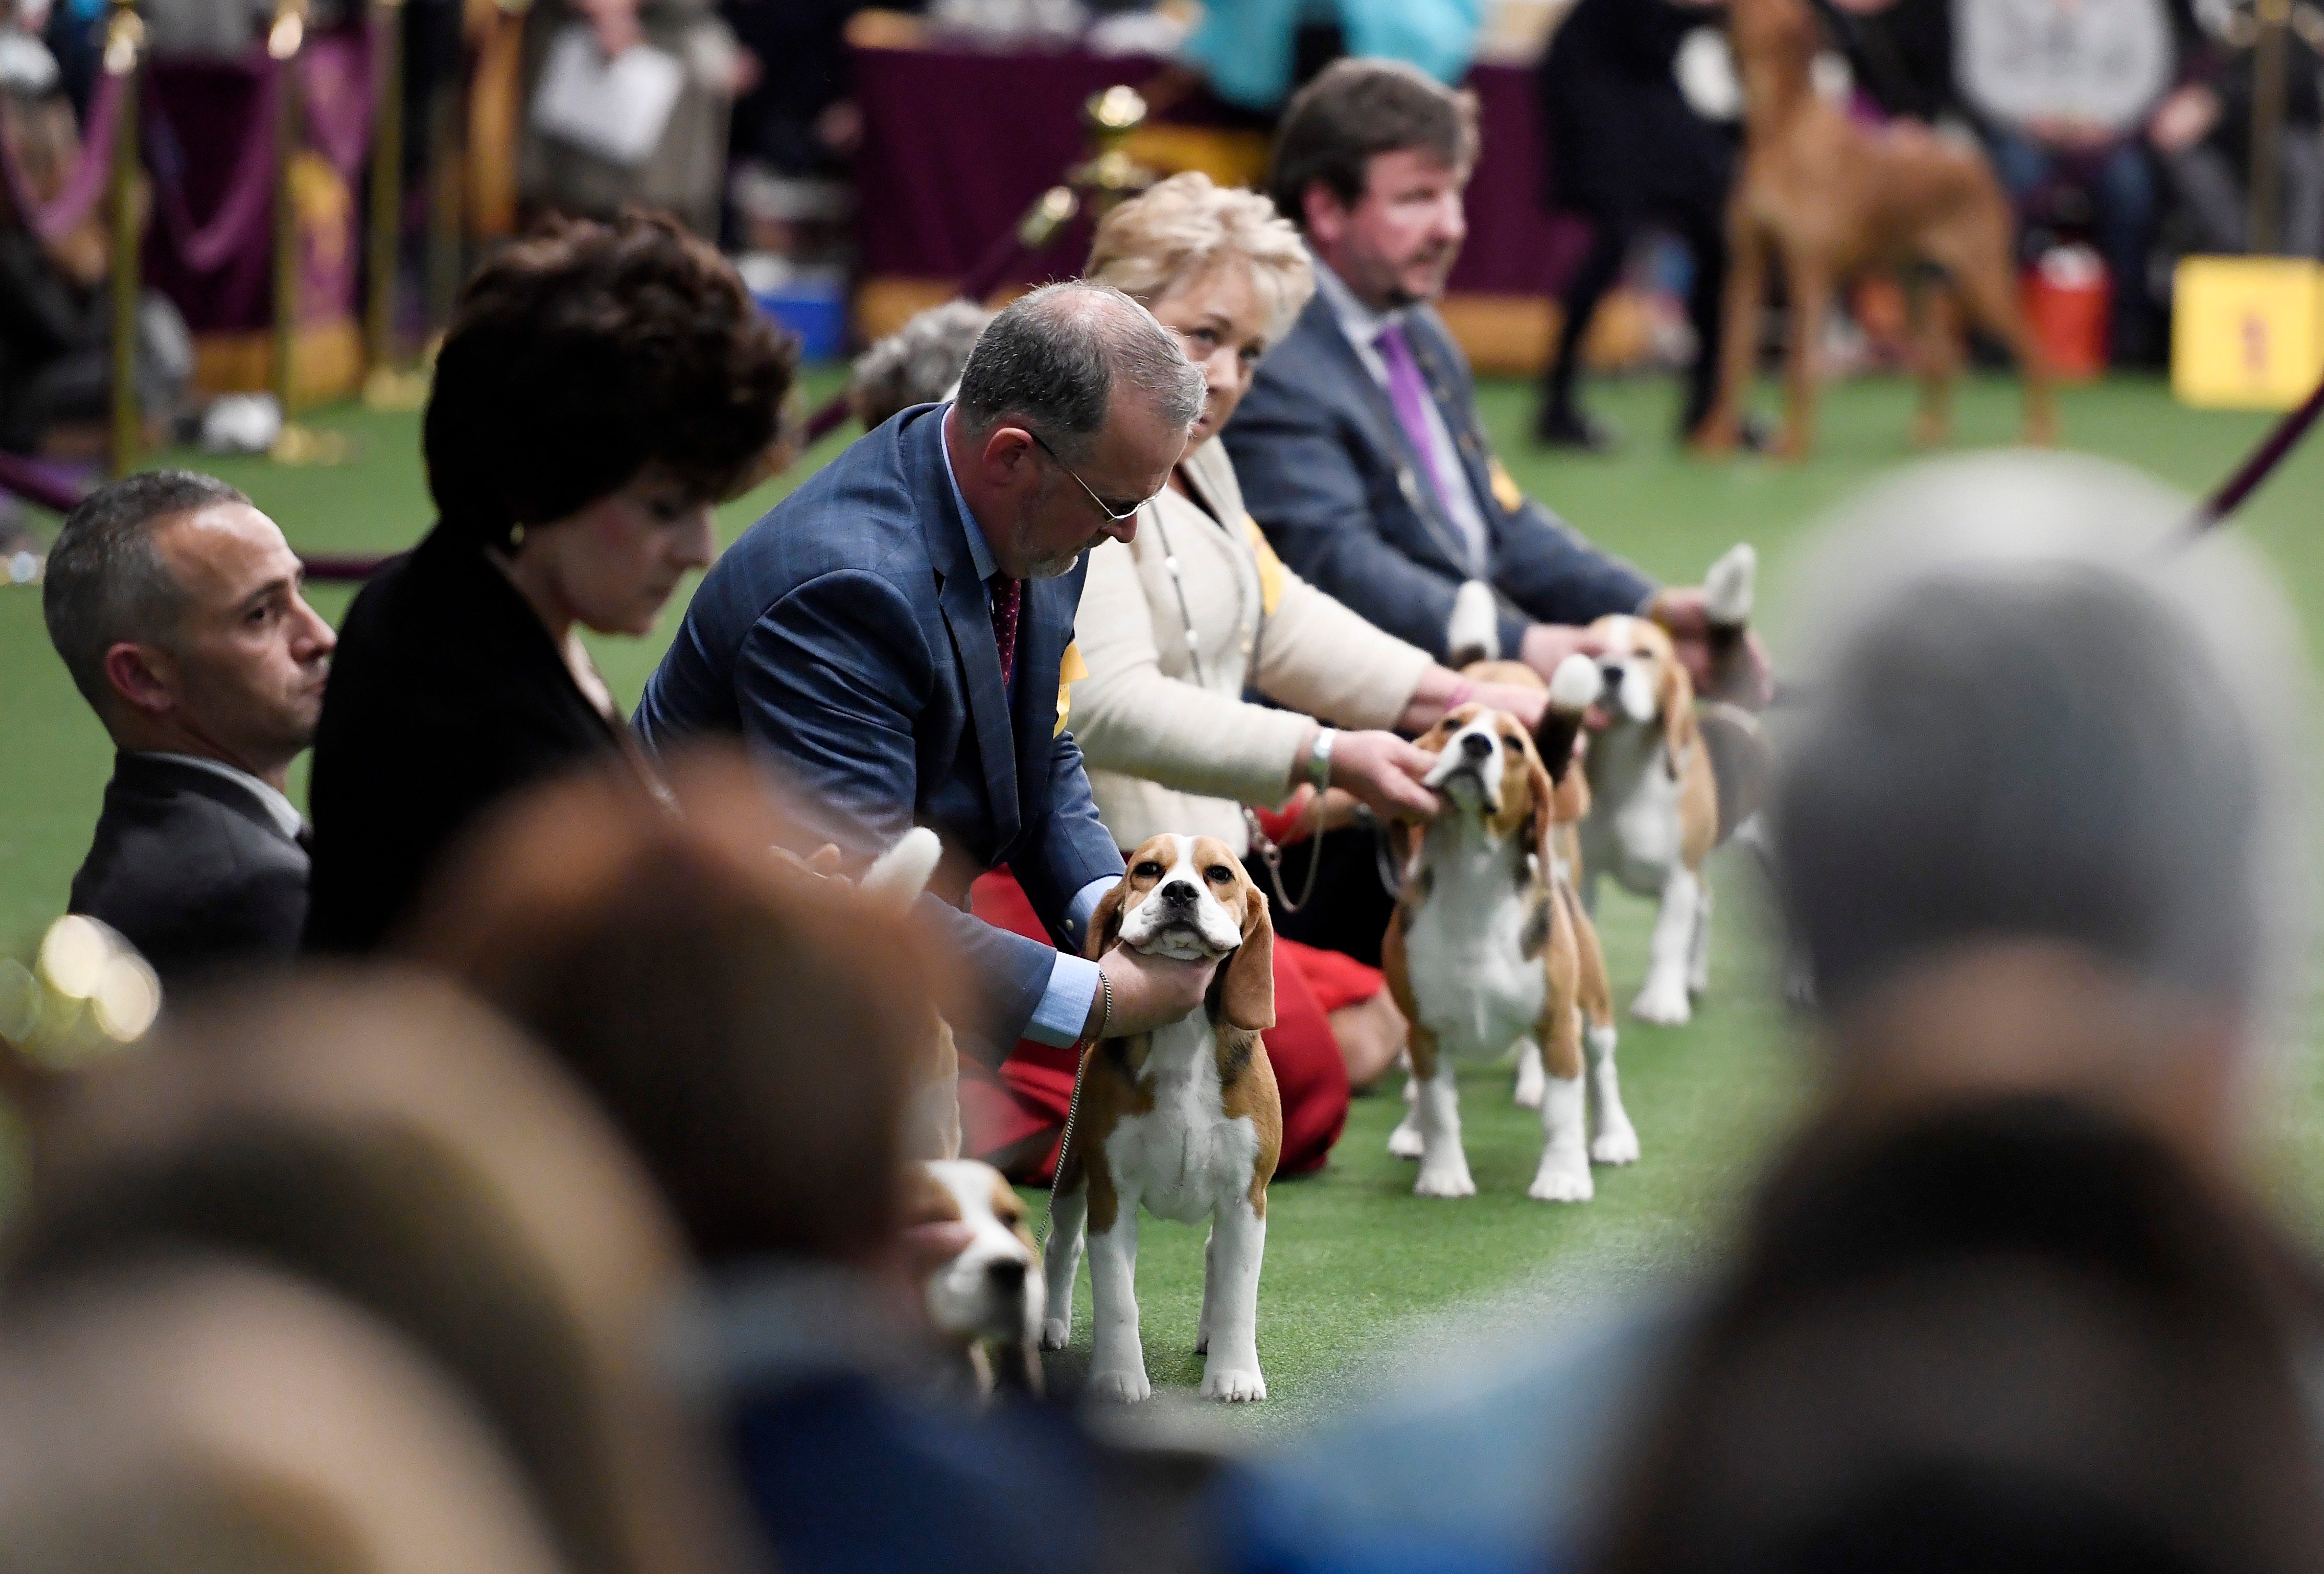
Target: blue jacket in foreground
x,y
847,637
1328,474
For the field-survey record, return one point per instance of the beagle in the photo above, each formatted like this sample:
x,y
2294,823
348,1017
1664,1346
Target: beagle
x,y
1185,1121
1489,947
1655,813
985,1302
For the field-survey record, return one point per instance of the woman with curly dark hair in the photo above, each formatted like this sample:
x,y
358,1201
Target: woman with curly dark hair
x,y
601,388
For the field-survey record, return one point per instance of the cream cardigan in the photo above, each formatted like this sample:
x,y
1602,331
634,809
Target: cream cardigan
x,y
1168,753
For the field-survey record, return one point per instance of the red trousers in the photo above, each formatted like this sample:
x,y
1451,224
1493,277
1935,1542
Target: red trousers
x,y
1030,1094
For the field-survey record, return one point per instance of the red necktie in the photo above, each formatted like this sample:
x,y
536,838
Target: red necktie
x,y
1007,602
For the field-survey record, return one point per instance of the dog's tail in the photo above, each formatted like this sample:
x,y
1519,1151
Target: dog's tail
x,y
902,872
1728,587
1573,688
1474,632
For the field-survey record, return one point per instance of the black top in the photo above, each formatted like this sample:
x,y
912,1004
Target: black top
x,y
446,694
1622,140
193,868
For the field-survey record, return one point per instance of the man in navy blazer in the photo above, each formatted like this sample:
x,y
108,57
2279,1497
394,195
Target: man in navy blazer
x,y
891,636
1358,446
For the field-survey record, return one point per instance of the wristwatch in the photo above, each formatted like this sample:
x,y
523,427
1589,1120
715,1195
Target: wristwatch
x,y
1319,756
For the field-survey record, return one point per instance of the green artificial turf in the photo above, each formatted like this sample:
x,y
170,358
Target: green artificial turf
x,y
1354,1262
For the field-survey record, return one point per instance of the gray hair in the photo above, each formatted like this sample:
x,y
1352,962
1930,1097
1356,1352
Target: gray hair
x,y
105,582
2033,714
1051,359
918,363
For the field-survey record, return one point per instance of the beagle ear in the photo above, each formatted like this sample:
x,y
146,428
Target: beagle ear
x,y
1541,814
1105,923
1677,699
1247,999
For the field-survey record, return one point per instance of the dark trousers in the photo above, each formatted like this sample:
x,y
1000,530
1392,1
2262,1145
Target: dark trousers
x,y
1705,237
1350,910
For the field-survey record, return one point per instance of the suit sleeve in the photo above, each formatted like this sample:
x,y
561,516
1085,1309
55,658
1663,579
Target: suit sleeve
x,y
1304,489
1555,576
827,683
1070,849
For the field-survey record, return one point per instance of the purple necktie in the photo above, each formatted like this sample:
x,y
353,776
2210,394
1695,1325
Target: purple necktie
x,y
1008,603
1408,391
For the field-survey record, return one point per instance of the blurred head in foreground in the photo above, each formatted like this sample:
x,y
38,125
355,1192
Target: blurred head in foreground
x,y
749,1025
2040,823
197,1416
918,363
390,1142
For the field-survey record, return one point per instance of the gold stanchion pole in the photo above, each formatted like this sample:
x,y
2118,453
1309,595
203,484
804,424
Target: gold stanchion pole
x,y
124,38
296,444
2269,64
386,386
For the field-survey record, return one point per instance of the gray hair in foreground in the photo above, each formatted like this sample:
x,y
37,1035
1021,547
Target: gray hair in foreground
x,y
2034,715
1051,362
106,585
918,363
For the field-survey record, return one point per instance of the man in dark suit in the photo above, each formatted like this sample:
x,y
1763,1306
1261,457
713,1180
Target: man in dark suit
x,y
176,607
893,635
1358,446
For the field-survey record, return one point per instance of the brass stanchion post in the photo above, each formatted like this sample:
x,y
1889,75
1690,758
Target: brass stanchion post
x,y
124,38
2269,67
296,444
386,386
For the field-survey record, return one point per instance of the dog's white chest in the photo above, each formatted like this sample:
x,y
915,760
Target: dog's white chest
x,y
1464,950
1183,1157
1633,833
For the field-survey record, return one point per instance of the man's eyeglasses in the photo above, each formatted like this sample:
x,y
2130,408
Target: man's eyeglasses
x,y
1115,513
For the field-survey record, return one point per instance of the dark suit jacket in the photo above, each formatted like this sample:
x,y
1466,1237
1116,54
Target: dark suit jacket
x,y
446,694
1328,474
848,637
191,868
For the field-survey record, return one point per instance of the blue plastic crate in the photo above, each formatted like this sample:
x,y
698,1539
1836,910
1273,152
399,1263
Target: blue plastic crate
x,y
815,311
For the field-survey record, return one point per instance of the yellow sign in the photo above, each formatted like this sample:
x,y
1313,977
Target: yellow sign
x,y
2247,333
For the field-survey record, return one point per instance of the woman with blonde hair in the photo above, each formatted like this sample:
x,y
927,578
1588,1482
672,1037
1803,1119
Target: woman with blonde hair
x,y
1177,623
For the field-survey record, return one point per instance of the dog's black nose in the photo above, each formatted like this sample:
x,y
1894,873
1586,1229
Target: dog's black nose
x,y
1612,673
1178,894
1007,1276
1476,745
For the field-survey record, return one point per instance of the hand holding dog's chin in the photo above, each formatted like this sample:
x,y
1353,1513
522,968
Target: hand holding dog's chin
x,y
1383,772
1148,991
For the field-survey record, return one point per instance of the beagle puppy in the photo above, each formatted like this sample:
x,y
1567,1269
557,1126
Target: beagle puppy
x,y
985,1302
1185,1121
1654,815
1489,948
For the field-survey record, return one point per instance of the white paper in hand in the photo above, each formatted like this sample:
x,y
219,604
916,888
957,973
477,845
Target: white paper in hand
x,y
614,109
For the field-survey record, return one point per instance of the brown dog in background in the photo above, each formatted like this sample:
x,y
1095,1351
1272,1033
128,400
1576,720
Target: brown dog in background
x,y
1832,198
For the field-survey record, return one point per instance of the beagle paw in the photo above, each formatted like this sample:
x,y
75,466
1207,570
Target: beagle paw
x,y
1617,1144
1123,1387
1664,1002
1237,1386
1559,1180
1530,1078
1405,1142
1445,1181
1056,1333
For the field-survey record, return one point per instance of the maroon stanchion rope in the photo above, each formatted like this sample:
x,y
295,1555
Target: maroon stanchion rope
x,y
41,486
2257,468
206,248
50,220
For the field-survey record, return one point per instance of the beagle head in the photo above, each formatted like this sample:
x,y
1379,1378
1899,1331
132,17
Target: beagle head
x,y
1188,897
1489,771
991,1290
1642,683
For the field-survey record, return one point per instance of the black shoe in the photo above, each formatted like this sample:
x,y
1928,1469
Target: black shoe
x,y
1568,427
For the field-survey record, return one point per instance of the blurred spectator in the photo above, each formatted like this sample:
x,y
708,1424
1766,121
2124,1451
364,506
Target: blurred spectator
x,y
1254,52
176,607
387,1140
2203,134
795,118
628,106
2068,92
1625,149
600,389
200,1417
918,363
2039,835
755,1030
1900,55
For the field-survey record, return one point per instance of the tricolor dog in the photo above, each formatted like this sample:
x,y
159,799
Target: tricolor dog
x,y
1489,948
1654,809
986,1299
1184,1122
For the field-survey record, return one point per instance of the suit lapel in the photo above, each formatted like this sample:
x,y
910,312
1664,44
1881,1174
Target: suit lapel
x,y
1041,636
1475,457
967,612
1388,433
